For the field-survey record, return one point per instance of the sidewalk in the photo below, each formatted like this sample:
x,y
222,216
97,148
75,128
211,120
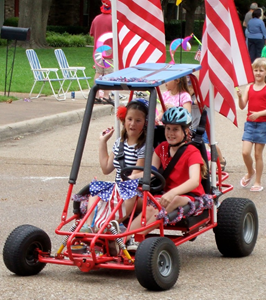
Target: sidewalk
x,y
26,116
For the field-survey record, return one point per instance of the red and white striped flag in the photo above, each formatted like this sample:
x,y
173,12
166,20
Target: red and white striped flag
x,y
140,28
224,56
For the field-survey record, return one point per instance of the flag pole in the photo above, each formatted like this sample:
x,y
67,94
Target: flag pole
x,y
213,143
115,59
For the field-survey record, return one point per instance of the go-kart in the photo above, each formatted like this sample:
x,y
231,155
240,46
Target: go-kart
x,y
156,262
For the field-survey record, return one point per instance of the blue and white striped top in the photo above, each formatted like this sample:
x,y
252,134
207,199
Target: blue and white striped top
x,y
131,156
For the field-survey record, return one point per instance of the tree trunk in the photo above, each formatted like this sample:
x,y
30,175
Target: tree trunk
x,y
190,6
34,14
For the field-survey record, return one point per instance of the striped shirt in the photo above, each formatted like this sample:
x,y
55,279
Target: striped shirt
x,y
131,156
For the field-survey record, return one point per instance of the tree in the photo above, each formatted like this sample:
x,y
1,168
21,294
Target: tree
x,y
190,6
34,14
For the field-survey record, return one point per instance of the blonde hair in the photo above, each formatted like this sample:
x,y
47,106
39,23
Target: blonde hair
x,y
259,63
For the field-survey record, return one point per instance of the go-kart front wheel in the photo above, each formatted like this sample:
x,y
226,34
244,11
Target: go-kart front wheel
x,y
237,229
19,253
157,263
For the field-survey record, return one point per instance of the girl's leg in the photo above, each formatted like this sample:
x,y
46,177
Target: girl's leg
x,y
246,153
151,213
129,204
90,203
259,163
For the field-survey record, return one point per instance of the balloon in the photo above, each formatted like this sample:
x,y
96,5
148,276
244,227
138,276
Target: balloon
x,y
176,43
102,51
185,44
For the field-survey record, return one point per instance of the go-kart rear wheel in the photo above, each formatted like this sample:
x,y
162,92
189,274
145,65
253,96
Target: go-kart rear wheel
x,y
237,229
157,263
19,253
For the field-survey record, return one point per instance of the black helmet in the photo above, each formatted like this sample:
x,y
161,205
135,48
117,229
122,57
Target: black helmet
x,y
177,116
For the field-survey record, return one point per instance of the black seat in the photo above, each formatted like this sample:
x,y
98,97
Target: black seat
x,y
159,135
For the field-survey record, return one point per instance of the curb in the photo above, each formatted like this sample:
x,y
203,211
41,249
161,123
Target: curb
x,y
47,123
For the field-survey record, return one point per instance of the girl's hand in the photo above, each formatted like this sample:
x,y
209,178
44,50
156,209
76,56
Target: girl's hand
x,y
239,94
167,198
254,115
106,134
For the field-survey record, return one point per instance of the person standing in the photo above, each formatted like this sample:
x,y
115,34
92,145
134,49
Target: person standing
x,y
102,24
255,125
248,15
256,34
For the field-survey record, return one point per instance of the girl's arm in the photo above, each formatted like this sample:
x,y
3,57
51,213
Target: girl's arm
x,y
186,187
256,114
243,100
106,160
155,162
188,106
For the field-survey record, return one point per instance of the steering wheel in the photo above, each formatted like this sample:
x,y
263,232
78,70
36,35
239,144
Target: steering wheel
x,y
157,182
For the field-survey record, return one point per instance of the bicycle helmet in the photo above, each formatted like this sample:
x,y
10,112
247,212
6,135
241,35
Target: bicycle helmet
x,y
177,116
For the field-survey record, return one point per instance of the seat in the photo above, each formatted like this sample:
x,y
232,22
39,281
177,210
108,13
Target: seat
x,y
70,73
43,75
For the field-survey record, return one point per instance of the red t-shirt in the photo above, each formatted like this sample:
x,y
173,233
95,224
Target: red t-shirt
x,y
101,24
256,102
180,172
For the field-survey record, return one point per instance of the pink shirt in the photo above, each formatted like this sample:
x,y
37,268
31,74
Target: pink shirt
x,y
176,100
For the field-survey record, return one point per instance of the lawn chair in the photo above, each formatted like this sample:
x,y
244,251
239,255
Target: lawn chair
x,y
43,75
70,73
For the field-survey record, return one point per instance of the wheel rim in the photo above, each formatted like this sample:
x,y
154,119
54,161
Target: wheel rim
x,y
32,254
164,263
248,228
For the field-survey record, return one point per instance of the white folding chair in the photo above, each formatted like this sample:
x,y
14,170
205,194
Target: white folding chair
x,y
43,75
70,73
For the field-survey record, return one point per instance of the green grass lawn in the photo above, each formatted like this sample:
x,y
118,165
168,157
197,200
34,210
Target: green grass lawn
x,y
22,79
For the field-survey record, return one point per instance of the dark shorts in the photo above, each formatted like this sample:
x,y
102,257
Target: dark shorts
x,y
255,132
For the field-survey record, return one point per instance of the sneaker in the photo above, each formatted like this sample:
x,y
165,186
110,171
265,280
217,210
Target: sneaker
x,y
86,228
121,97
113,246
140,94
132,245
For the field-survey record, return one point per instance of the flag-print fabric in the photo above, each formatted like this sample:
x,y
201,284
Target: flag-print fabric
x,y
224,56
110,194
141,36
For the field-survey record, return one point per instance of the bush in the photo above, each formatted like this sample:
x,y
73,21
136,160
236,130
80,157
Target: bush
x,y
11,22
65,40
3,42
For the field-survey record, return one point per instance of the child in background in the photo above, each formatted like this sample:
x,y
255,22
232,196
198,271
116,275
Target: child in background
x,y
255,125
177,94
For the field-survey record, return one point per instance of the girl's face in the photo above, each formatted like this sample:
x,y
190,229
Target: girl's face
x,y
172,85
134,123
259,74
174,134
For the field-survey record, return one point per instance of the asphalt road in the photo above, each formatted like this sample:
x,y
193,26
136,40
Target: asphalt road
x,y
34,173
